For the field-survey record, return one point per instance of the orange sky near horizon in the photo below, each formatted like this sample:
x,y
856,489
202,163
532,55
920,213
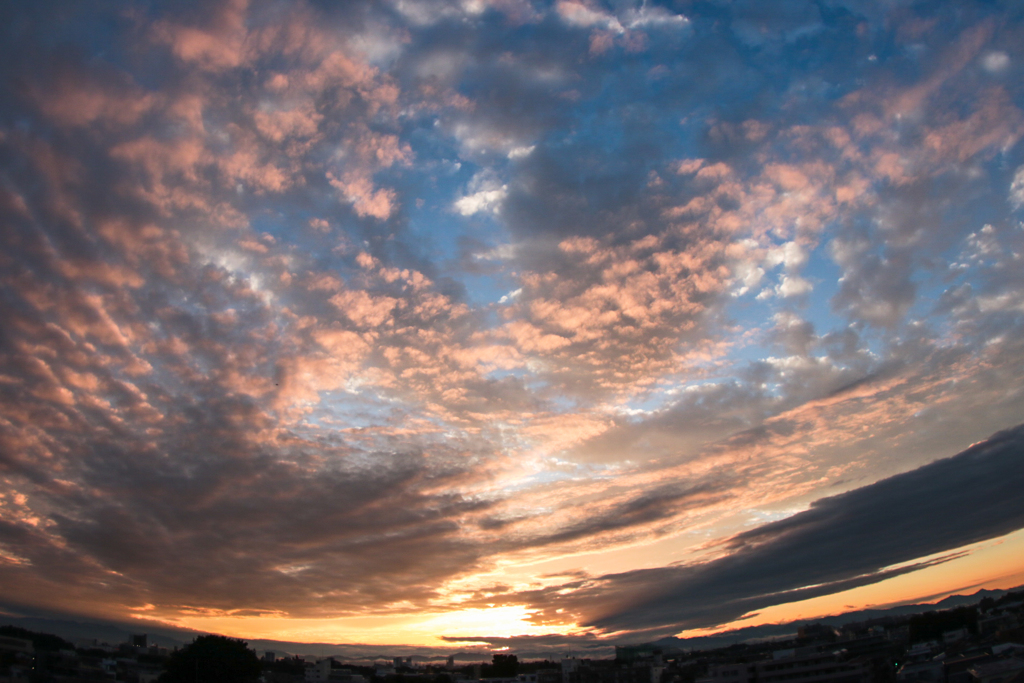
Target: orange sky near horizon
x,y
994,565
991,565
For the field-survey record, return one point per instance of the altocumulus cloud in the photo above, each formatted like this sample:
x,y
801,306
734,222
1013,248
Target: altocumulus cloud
x,y
321,310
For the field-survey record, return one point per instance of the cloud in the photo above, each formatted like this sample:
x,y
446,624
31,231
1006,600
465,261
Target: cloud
x,y
591,15
996,62
1017,189
788,21
842,533
484,194
852,539
794,286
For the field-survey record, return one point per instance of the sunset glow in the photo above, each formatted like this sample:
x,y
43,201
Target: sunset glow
x,y
447,323
423,628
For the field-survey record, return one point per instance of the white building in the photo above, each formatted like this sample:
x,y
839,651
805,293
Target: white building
x,y
321,671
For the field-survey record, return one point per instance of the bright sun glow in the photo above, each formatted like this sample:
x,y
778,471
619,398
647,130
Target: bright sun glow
x,y
424,629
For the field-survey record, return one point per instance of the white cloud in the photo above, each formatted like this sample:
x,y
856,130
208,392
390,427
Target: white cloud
x,y
429,12
502,252
1017,189
520,152
582,14
485,200
477,136
794,285
750,275
790,255
654,16
995,62
1006,301
511,296
485,193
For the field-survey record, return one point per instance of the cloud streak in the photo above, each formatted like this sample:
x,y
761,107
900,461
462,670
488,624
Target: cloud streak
x,y
856,538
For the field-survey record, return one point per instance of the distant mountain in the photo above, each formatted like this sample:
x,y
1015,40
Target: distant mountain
x,y
112,633
773,631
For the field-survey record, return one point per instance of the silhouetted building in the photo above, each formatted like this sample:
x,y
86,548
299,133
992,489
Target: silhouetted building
x,y
793,665
813,668
1000,671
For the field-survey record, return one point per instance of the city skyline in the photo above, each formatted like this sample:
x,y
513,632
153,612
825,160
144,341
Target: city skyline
x,y
431,322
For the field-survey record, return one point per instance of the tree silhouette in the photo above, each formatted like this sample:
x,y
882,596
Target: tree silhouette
x,y
40,641
931,625
212,659
504,666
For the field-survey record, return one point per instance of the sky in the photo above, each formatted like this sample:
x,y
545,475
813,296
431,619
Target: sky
x,y
454,322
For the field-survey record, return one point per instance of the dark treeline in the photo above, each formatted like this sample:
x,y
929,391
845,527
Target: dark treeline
x,y
931,625
40,641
